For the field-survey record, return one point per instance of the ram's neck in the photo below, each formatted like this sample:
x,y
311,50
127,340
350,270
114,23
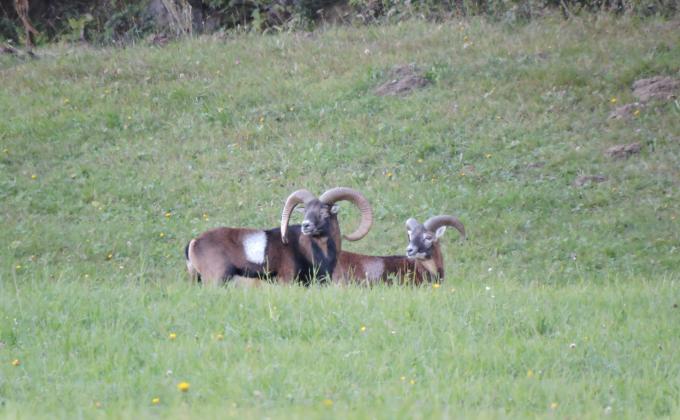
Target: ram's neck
x,y
435,264
334,233
429,266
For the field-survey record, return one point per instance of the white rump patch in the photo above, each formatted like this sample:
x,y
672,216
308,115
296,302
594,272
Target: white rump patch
x,y
374,269
254,245
190,268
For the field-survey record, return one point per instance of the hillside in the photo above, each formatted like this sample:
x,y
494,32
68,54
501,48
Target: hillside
x,y
112,159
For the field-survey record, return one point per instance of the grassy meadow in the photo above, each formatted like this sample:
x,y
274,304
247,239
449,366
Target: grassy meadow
x,y
562,303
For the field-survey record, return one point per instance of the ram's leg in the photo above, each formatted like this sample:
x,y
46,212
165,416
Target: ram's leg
x,y
286,274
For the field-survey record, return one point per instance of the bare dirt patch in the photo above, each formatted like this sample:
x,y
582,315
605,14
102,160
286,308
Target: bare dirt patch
x,y
588,179
158,40
659,87
8,49
403,80
623,151
535,165
625,112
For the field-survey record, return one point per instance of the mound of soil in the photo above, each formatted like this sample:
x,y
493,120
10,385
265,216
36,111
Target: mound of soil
x,y
659,87
625,111
622,151
402,81
158,40
8,49
535,165
588,179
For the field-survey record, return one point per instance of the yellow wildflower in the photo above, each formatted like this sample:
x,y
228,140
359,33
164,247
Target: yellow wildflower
x,y
108,257
412,381
363,328
613,100
168,214
403,378
328,402
172,336
34,176
530,373
161,234
636,112
16,362
183,386
436,285
156,401
554,405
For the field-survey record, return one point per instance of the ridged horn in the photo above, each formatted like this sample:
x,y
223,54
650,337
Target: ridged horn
x,y
435,222
299,196
355,197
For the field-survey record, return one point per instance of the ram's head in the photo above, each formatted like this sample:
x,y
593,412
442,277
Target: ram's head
x,y
422,239
319,212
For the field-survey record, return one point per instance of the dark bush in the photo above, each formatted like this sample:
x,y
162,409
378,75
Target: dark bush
x,y
120,21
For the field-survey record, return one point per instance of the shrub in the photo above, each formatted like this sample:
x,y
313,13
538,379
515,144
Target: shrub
x,y
120,21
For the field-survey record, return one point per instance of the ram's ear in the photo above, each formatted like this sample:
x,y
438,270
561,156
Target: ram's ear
x,y
300,209
410,225
440,232
335,209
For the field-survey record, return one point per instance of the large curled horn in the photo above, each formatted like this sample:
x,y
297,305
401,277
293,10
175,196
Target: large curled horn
x,y
299,196
435,222
358,199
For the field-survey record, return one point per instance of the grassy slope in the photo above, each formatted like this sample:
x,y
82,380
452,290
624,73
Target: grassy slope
x,y
112,159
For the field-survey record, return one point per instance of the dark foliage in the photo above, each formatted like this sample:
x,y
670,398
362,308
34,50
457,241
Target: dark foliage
x,y
121,21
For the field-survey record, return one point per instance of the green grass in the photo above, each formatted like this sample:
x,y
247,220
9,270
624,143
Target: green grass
x,y
113,159
473,350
